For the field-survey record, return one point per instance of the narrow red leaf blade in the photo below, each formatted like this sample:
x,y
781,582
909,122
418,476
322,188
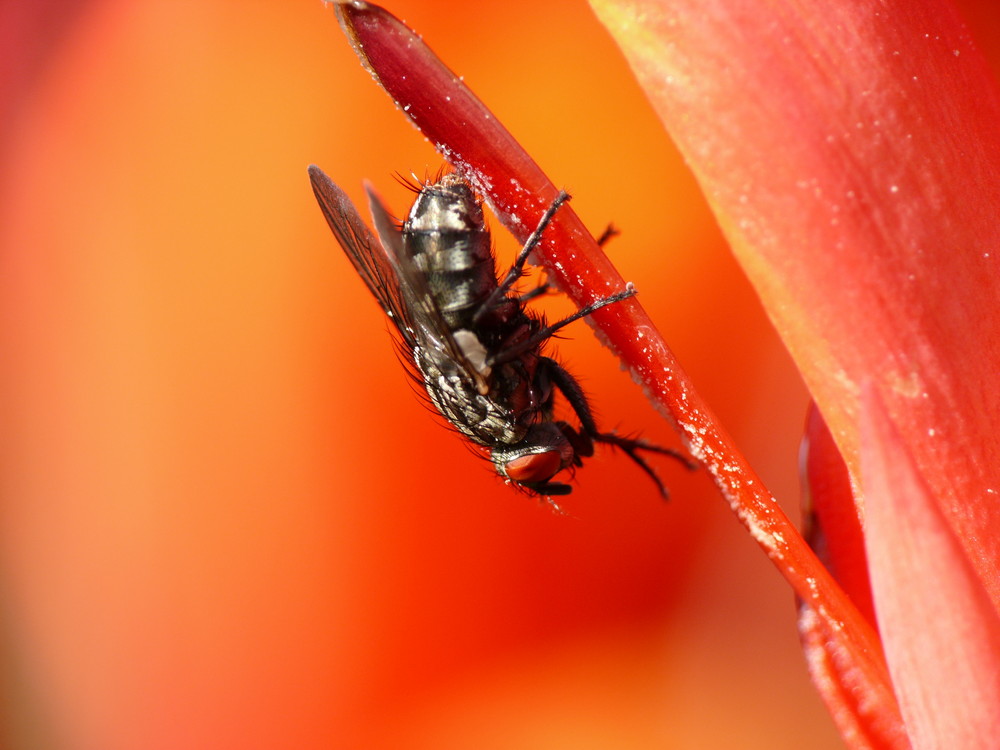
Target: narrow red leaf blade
x,y
866,719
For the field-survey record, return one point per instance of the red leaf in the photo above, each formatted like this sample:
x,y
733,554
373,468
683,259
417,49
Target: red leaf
x,y
476,144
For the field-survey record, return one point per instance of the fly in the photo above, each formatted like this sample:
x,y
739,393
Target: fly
x,y
475,347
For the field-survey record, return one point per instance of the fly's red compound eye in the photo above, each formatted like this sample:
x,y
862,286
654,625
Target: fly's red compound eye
x,y
534,467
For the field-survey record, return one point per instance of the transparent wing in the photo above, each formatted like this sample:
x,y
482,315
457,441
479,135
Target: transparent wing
x,y
370,258
386,268
430,327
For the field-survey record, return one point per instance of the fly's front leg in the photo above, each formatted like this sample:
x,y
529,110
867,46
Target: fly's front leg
x,y
545,333
542,289
517,269
574,394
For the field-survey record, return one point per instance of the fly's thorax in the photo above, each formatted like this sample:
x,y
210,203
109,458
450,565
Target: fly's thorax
x,y
446,237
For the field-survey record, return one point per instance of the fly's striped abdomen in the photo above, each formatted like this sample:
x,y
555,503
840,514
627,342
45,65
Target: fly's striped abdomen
x,y
447,240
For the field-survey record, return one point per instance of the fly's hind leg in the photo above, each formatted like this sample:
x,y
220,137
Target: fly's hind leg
x,y
574,394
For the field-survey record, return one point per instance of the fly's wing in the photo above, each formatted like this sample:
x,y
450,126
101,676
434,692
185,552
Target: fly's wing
x,y
371,259
429,326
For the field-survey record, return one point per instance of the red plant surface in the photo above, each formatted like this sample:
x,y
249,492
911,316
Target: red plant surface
x,y
857,231
852,156
226,521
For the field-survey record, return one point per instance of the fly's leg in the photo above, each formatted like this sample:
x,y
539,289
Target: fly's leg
x,y
542,289
607,234
517,269
574,394
538,337
539,291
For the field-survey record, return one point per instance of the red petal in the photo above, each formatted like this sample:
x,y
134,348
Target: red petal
x,y
471,138
29,33
449,114
851,152
940,630
833,519
834,530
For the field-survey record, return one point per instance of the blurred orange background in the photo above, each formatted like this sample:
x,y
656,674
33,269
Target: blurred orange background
x,y
228,522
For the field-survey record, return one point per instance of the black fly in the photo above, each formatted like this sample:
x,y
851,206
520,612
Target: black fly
x,y
475,347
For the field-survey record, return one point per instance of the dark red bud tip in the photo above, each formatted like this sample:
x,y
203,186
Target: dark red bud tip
x,y
535,467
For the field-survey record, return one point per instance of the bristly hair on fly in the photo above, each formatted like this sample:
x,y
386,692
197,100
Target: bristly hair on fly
x,y
415,184
467,334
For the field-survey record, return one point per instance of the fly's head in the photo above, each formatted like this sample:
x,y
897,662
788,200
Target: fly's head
x,y
530,464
